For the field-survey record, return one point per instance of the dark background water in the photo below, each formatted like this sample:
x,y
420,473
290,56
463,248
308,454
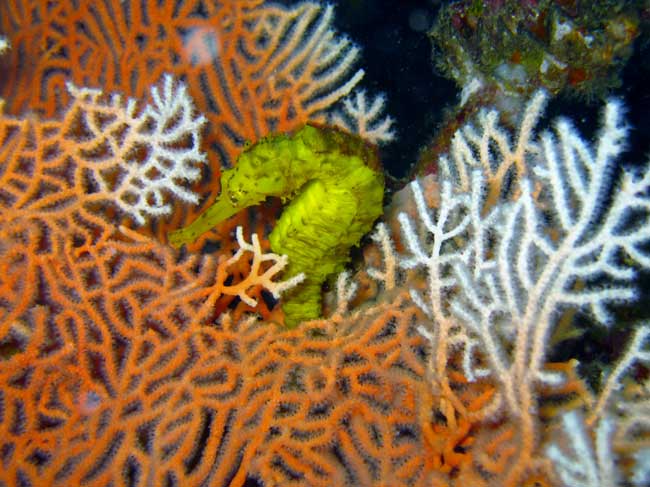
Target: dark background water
x,y
396,55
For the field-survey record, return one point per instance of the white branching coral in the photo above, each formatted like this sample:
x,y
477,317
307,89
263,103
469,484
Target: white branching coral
x,y
260,275
523,229
365,118
511,265
143,158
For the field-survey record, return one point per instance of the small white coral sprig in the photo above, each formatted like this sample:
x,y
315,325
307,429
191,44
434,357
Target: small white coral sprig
x,y
364,118
141,160
212,275
581,463
260,275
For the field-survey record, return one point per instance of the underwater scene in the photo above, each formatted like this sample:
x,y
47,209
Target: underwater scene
x,y
304,243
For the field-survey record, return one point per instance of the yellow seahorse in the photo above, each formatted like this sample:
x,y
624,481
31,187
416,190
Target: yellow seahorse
x,y
335,186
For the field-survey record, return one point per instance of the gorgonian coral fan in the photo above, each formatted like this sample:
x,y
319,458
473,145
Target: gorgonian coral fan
x,y
126,362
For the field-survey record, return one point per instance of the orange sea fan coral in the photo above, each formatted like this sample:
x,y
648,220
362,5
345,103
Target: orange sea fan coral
x,y
340,403
111,368
93,322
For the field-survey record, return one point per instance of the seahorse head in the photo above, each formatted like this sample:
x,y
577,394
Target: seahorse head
x,y
251,181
